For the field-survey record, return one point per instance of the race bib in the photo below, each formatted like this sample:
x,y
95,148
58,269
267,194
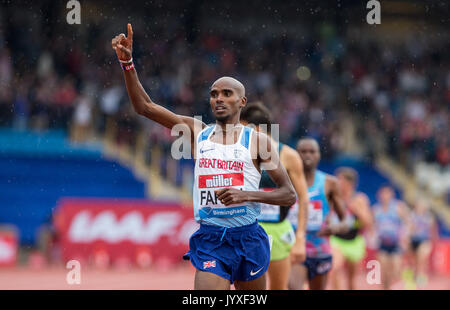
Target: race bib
x,y
315,215
269,213
293,215
209,212
288,237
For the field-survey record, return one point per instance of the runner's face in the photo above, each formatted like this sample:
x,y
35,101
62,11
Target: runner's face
x,y
344,184
385,195
309,152
225,101
421,207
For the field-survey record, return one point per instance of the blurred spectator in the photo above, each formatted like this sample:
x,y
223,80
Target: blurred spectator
x,y
21,108
400,92
82,119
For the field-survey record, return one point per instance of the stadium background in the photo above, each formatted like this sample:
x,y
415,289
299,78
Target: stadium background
x,y
84,177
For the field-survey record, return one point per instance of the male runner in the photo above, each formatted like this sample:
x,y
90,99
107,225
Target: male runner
x,y
273,218
324,194
349,248
230,247
391,222
422,231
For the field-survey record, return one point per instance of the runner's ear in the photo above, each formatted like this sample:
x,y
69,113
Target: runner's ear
x,y
243,101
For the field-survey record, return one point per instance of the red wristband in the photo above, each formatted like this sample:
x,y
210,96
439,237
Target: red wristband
x,y
127,67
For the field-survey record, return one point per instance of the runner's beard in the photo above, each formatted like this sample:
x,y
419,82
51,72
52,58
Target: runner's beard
x,y
222,118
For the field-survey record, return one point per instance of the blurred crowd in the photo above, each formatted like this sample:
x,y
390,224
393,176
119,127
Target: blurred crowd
x,y
61,78
405,95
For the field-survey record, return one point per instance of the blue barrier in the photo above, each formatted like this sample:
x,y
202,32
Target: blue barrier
x,y
37,169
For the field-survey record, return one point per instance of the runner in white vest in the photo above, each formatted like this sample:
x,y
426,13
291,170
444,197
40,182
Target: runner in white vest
x,y
230,246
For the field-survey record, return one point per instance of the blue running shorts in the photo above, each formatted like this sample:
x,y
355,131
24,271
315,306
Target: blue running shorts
x,y
389,249
235,253
317,266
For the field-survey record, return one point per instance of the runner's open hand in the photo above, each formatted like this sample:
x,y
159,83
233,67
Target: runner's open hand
x,y
298,251
326,231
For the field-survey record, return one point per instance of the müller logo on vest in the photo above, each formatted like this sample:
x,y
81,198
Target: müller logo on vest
x,y
220,180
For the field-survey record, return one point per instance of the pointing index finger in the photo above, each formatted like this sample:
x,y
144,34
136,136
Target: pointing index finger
x,y
130,32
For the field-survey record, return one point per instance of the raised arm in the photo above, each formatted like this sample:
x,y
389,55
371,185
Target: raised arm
x,y
140,100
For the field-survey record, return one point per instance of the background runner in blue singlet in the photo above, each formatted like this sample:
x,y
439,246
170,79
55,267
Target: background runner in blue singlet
x,y
323,192
423,230
391,224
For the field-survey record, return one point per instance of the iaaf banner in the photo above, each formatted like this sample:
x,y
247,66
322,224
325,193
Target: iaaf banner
x,y
133,230
440,257
8,247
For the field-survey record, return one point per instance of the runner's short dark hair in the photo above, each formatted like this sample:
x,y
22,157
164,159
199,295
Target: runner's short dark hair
x,y
257,113
349,174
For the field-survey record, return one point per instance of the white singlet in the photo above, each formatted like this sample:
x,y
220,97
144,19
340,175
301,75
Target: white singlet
x,y
218,166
